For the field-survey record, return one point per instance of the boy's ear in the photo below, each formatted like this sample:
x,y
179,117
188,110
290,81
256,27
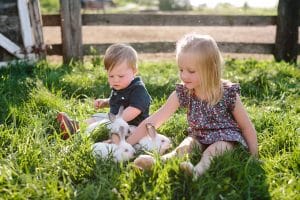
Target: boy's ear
x,y
135,71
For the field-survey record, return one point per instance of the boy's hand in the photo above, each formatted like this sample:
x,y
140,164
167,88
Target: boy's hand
x,y
100,103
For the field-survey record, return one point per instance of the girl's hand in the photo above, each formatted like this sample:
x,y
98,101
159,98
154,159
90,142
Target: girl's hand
x,y
100,103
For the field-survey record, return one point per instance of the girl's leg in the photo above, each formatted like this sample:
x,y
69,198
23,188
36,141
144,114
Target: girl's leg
x,y
146,161
185,147
215,149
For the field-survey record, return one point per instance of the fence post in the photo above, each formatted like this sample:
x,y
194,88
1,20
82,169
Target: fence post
x,y
286,45
71,30
37,28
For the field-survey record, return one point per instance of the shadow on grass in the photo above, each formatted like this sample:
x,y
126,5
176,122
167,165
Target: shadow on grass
x,y
16,82
234,175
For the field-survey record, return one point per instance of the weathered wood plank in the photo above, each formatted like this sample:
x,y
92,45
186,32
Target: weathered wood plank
x,y
167,47
26,28
8,8
287,31
176,20
71,30
37,29
51,20
166,20
10,46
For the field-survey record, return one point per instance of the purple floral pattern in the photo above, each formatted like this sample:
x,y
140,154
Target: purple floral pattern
x,y
210,124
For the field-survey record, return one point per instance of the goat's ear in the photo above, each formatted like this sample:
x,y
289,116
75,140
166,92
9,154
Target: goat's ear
x,y
115,138
111,117
121,109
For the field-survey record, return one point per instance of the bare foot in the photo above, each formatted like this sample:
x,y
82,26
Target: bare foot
x,y
168,156
144,162
187,167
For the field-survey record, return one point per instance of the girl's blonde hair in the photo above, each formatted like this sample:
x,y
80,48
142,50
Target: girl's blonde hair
x,y
118,53
209,63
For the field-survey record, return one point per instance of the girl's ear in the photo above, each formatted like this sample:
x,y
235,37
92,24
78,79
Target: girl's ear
x,y
135,71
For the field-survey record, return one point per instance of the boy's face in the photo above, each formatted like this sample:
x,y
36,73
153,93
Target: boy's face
x,y
121,76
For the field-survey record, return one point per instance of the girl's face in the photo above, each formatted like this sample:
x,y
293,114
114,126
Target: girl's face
x,y
121,76
188,70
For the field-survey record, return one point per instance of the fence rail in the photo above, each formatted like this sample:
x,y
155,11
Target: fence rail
x,y
166,20
169,20
167,47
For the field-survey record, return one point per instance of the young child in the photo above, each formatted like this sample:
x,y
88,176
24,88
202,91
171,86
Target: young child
x,y
120,62
217,119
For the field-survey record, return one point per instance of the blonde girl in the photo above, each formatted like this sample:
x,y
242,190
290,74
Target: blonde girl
x,y
217,119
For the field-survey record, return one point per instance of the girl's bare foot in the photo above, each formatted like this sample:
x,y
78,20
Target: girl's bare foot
x,y
188,168
144,162
168,156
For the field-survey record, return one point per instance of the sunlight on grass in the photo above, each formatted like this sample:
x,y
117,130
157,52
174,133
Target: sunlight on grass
x,y
37,164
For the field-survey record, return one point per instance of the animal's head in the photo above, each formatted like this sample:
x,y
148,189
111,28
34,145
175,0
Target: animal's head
x,y
124,150
117,121
161,142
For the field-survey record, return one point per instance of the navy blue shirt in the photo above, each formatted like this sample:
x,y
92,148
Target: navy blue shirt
x,y
135,95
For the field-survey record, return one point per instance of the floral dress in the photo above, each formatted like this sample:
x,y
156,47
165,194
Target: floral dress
x,y
207,123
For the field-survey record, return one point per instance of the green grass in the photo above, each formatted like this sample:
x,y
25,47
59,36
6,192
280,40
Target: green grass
x,y
52,6
35,163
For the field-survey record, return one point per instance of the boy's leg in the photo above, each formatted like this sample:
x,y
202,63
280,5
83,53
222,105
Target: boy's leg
x,y
90,120
67,125
215,149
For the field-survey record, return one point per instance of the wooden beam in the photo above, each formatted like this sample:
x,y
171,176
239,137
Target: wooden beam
x,y
10,47
286,47
176,20
51,20
26,28
71,30
37,28
166,20
167,47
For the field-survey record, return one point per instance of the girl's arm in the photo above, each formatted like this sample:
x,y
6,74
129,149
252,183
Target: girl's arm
x,y
130,113
158,118
241,116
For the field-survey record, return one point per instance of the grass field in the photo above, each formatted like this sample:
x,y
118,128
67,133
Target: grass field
x,y
133,6
35,163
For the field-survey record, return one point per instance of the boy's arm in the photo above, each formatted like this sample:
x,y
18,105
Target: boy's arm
x,y
241,116
158,118
139,101
101,103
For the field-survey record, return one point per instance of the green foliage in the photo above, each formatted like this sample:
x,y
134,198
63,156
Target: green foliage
x,y
35,163
174,5
49,6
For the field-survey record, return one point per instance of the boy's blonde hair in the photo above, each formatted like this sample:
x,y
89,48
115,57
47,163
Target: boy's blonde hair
x,y
209,63
118,53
